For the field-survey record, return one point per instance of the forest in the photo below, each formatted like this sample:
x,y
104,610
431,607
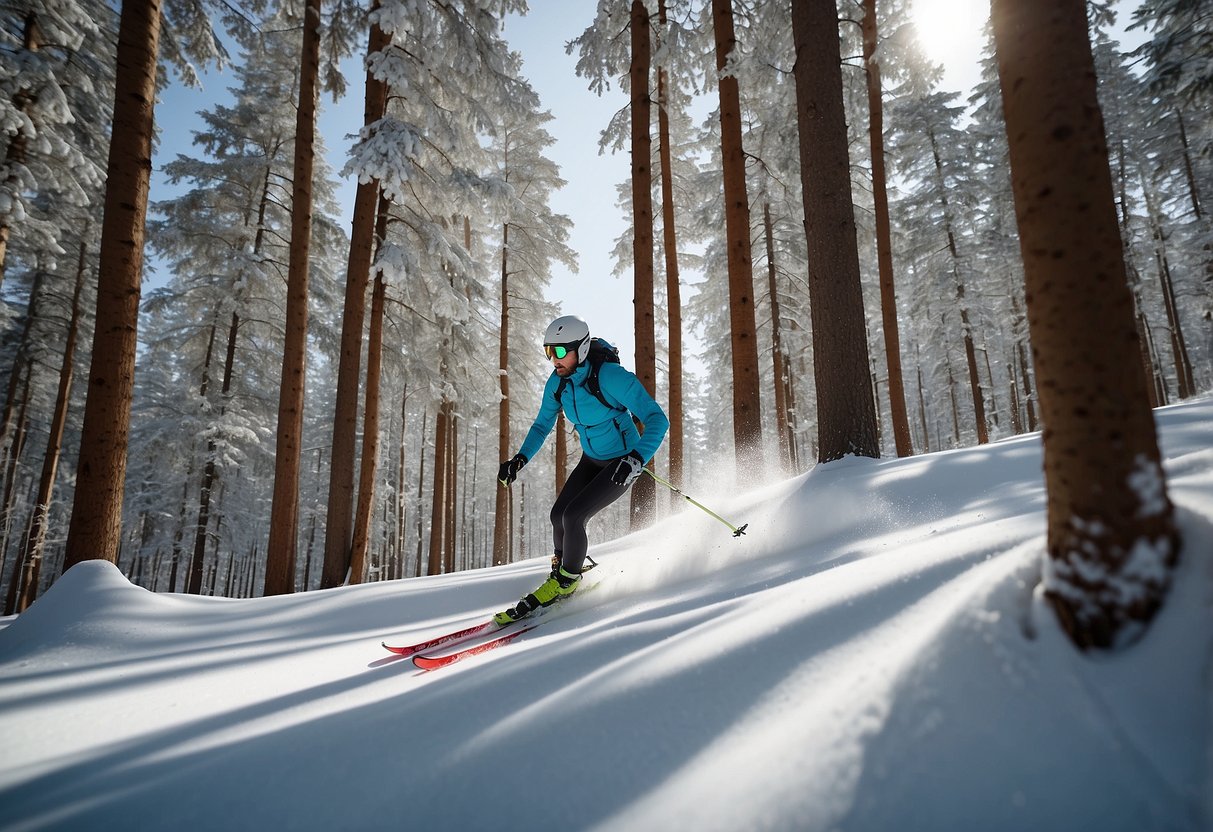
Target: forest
x,y
310,398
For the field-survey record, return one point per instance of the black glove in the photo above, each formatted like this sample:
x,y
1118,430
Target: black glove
x,y
508,472
628,469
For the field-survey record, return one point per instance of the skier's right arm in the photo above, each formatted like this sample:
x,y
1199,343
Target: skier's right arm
x,y
549,409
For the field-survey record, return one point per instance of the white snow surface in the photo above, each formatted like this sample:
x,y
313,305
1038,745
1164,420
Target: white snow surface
x,y
873,655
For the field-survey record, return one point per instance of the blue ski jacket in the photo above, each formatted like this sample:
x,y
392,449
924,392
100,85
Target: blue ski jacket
x,y
605,432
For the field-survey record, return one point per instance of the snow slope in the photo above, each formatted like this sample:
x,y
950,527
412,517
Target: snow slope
x,y
871,656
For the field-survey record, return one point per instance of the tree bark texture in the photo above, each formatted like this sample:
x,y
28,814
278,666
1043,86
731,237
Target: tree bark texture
x,y
95,531
846,409
35,539
339,521
1112,539
370,435
747,411
501,506
674,441
884,237
644,493
284,512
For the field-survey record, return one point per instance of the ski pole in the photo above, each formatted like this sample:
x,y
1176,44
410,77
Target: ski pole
x,y
737,532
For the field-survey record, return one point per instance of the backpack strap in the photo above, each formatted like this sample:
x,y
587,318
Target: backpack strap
x,y
592,384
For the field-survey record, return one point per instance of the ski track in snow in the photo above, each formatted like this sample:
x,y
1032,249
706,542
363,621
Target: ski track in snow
x,y
874,654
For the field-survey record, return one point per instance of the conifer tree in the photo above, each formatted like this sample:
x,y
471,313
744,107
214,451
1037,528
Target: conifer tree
x,y
1112,539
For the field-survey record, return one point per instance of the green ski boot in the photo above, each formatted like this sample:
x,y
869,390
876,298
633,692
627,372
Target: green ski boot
x,y
557,587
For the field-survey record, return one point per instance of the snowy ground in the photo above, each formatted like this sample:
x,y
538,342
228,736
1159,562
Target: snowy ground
x,y
871,656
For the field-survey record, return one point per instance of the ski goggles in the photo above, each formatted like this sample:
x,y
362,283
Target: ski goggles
x,y
559,350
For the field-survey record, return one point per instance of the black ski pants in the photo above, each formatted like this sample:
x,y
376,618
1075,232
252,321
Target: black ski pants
x,y
587,491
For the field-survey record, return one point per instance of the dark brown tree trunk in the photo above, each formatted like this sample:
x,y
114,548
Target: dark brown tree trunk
x,y
979,405
846,410
451,489
339,521
401,510
95,531
501,505
747,410
673,291
284,513
370,434
438,501
36,537
425,415
643,495
1179,346
194,581
884,237
783,420
1112,538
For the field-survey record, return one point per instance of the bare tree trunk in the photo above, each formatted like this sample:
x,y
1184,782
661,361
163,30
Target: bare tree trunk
x,y
747,410
339,519
452,488
675,439
783,420
643,495
884,237
1179,347
96,525
194,582
425,415
501,508
846,410
36,537
438,501
1112,538
370,434
966,328
284,513
401,511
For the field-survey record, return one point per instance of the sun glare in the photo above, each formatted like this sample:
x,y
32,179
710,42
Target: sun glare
x,y
949,30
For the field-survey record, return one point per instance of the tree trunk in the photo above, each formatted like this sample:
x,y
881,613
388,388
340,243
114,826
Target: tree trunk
x,y
437,501
451,489
966,328
370,434
747,410
1179,347
96,525
501,506
339,517
673,291
284,513
36,537
425,415
846,410
884,237
783,420
644,493
1112,538
401,510
194,582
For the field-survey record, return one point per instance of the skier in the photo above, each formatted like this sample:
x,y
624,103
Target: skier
x,y
600,398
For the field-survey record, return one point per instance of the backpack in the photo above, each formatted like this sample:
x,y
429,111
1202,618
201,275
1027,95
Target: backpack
x,y
601,352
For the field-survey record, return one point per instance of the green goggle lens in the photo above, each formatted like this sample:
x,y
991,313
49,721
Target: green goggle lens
x,y
557,351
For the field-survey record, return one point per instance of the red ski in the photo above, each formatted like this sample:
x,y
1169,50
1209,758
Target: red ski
x,y
438,641
435,662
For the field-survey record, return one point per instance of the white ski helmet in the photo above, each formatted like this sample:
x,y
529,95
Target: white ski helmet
x,y
569,331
